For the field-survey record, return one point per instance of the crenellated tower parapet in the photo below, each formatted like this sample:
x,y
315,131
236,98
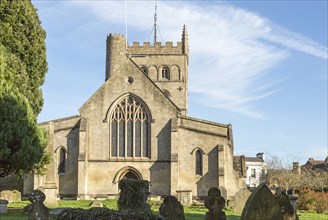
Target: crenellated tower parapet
x,y
157,48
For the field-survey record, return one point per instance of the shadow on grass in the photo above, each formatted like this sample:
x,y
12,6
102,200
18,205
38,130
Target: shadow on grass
x,y
13,214
194,216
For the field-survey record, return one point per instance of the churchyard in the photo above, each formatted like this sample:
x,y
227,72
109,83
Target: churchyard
x,y
15,210
133,204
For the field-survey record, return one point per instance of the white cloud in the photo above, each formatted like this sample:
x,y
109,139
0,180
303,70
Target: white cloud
x,y
232,50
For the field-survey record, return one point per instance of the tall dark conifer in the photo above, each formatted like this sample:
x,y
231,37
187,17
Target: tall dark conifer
x,y
23,67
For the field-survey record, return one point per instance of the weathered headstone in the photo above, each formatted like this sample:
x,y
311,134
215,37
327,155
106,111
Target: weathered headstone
x,y
3,206
240,200
184,197
16,196
262,204
224,193
171,209
11,196
133,195
7,195
215,203
39,211
287,208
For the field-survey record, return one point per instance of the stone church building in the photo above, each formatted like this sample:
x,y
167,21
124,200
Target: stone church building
x,y
136,125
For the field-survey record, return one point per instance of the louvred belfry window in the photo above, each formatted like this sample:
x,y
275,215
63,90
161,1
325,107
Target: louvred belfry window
x,y
130,129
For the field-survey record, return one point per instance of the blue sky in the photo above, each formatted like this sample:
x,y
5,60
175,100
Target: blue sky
x,y
259,65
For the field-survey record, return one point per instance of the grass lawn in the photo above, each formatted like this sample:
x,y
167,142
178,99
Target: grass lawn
x,y
15,211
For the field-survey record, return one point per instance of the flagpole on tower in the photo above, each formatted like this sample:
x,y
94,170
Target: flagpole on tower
x,y
126,25
155,23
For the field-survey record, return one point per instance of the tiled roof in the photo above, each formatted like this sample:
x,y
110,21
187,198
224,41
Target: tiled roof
x,y
253,159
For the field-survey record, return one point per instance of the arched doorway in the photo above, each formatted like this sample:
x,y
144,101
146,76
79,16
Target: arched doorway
x,y
130,175
127,173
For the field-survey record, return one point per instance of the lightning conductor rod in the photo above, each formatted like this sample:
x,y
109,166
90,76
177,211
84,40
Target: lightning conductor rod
x,y
155,25
126,25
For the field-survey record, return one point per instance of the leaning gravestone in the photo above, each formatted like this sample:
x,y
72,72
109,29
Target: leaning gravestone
x,y
262,205
215,203
38,211
240,200
171,209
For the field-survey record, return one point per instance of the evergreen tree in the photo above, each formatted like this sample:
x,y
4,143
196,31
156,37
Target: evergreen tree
x,y
24,38
22,71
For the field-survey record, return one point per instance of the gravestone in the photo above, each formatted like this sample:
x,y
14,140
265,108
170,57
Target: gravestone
x,y
11,196
293,199
214,202
7,195
240,200
224,194
287,208
171,209
16,196
97,204
3,206
133,195
184,197
262,204
39,211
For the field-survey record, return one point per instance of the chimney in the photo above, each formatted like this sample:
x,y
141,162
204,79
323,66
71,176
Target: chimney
x,y
261,156
296,168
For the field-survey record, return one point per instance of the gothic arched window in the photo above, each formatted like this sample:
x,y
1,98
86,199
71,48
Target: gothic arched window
x,y
130,129
62,161
166,73
199,162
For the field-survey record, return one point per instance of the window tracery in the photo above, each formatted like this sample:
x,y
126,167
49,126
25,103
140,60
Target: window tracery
x,y
130,129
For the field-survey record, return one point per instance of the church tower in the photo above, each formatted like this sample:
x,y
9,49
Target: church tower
x,y
166,65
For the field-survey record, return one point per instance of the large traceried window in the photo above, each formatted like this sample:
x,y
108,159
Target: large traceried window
x,y
130,129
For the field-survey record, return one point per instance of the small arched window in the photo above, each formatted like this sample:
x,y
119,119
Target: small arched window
x,y
62,161
165,73
144,69
199,162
